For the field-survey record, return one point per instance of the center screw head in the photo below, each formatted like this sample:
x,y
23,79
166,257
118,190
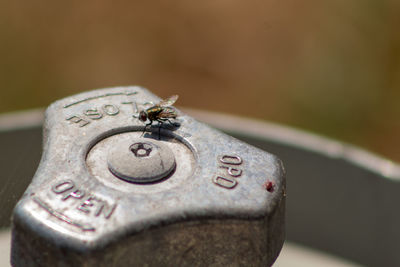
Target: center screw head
x,y
139,161
141,149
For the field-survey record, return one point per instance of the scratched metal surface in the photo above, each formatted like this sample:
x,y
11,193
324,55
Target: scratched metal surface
x,y
342,200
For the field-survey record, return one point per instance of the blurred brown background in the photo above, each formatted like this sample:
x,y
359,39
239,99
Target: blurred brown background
x,y
331,67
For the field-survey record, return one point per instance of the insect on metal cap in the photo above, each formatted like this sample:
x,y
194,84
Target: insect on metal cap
x,y
141,161
105,194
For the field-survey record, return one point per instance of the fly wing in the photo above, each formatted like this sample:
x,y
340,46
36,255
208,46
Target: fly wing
x,y
167,112
169,101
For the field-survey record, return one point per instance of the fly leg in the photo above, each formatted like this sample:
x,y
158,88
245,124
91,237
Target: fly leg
x,y
170,122
174,123
145,127
160,123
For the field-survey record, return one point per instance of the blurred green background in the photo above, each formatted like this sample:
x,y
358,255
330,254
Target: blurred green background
x,y
331,67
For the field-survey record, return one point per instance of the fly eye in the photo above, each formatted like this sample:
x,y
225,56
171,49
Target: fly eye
x,y
143,116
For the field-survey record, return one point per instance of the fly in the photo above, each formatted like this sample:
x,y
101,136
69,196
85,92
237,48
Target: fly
x,y
160,112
